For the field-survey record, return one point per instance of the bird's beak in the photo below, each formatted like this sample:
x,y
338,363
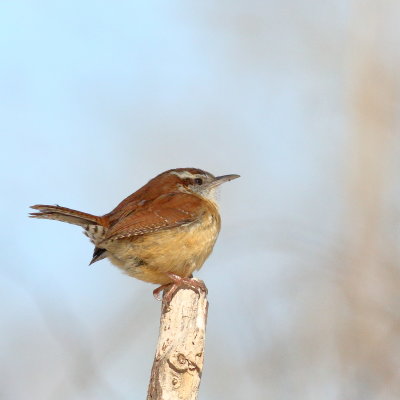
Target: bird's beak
x,y
222,179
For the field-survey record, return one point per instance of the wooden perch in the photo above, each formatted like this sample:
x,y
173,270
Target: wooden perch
x,y
178,362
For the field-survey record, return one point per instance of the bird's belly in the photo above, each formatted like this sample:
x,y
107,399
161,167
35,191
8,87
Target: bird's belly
x,y
180,251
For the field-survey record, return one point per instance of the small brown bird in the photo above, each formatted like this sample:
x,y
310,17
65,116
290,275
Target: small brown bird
x,y
160,234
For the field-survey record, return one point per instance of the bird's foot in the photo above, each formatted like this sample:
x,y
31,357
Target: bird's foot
x,y
178,282
157,291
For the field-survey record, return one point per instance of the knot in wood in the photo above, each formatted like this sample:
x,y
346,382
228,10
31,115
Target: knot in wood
x,y
179,362
181,358
176,382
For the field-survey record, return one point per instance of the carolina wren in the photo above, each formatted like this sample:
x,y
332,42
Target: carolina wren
x,y
161,233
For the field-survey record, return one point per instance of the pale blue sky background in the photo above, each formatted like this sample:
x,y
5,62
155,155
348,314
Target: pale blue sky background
x,y
98,97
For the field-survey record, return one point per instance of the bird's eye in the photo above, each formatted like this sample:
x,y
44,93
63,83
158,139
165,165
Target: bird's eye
x,y
198,181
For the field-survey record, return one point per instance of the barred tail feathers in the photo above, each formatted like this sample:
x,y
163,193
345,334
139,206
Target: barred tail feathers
x,y
65,215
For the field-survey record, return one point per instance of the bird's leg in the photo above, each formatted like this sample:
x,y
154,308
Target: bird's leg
x,y
177,282
157,291
193,283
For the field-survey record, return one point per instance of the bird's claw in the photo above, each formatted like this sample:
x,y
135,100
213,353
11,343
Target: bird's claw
x,y
178,282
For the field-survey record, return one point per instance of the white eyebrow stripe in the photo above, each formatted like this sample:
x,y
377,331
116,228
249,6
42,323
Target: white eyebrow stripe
x,y
184,174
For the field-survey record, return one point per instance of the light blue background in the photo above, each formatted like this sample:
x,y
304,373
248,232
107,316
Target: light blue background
x,y
97,98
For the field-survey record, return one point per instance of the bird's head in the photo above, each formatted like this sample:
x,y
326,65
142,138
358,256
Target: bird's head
x,y
194,181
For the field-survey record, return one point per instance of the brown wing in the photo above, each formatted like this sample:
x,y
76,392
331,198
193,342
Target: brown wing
x,y
165,212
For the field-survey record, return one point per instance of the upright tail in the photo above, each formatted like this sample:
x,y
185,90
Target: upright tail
x,y
66,215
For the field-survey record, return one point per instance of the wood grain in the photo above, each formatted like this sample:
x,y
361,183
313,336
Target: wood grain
x,y
178,362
